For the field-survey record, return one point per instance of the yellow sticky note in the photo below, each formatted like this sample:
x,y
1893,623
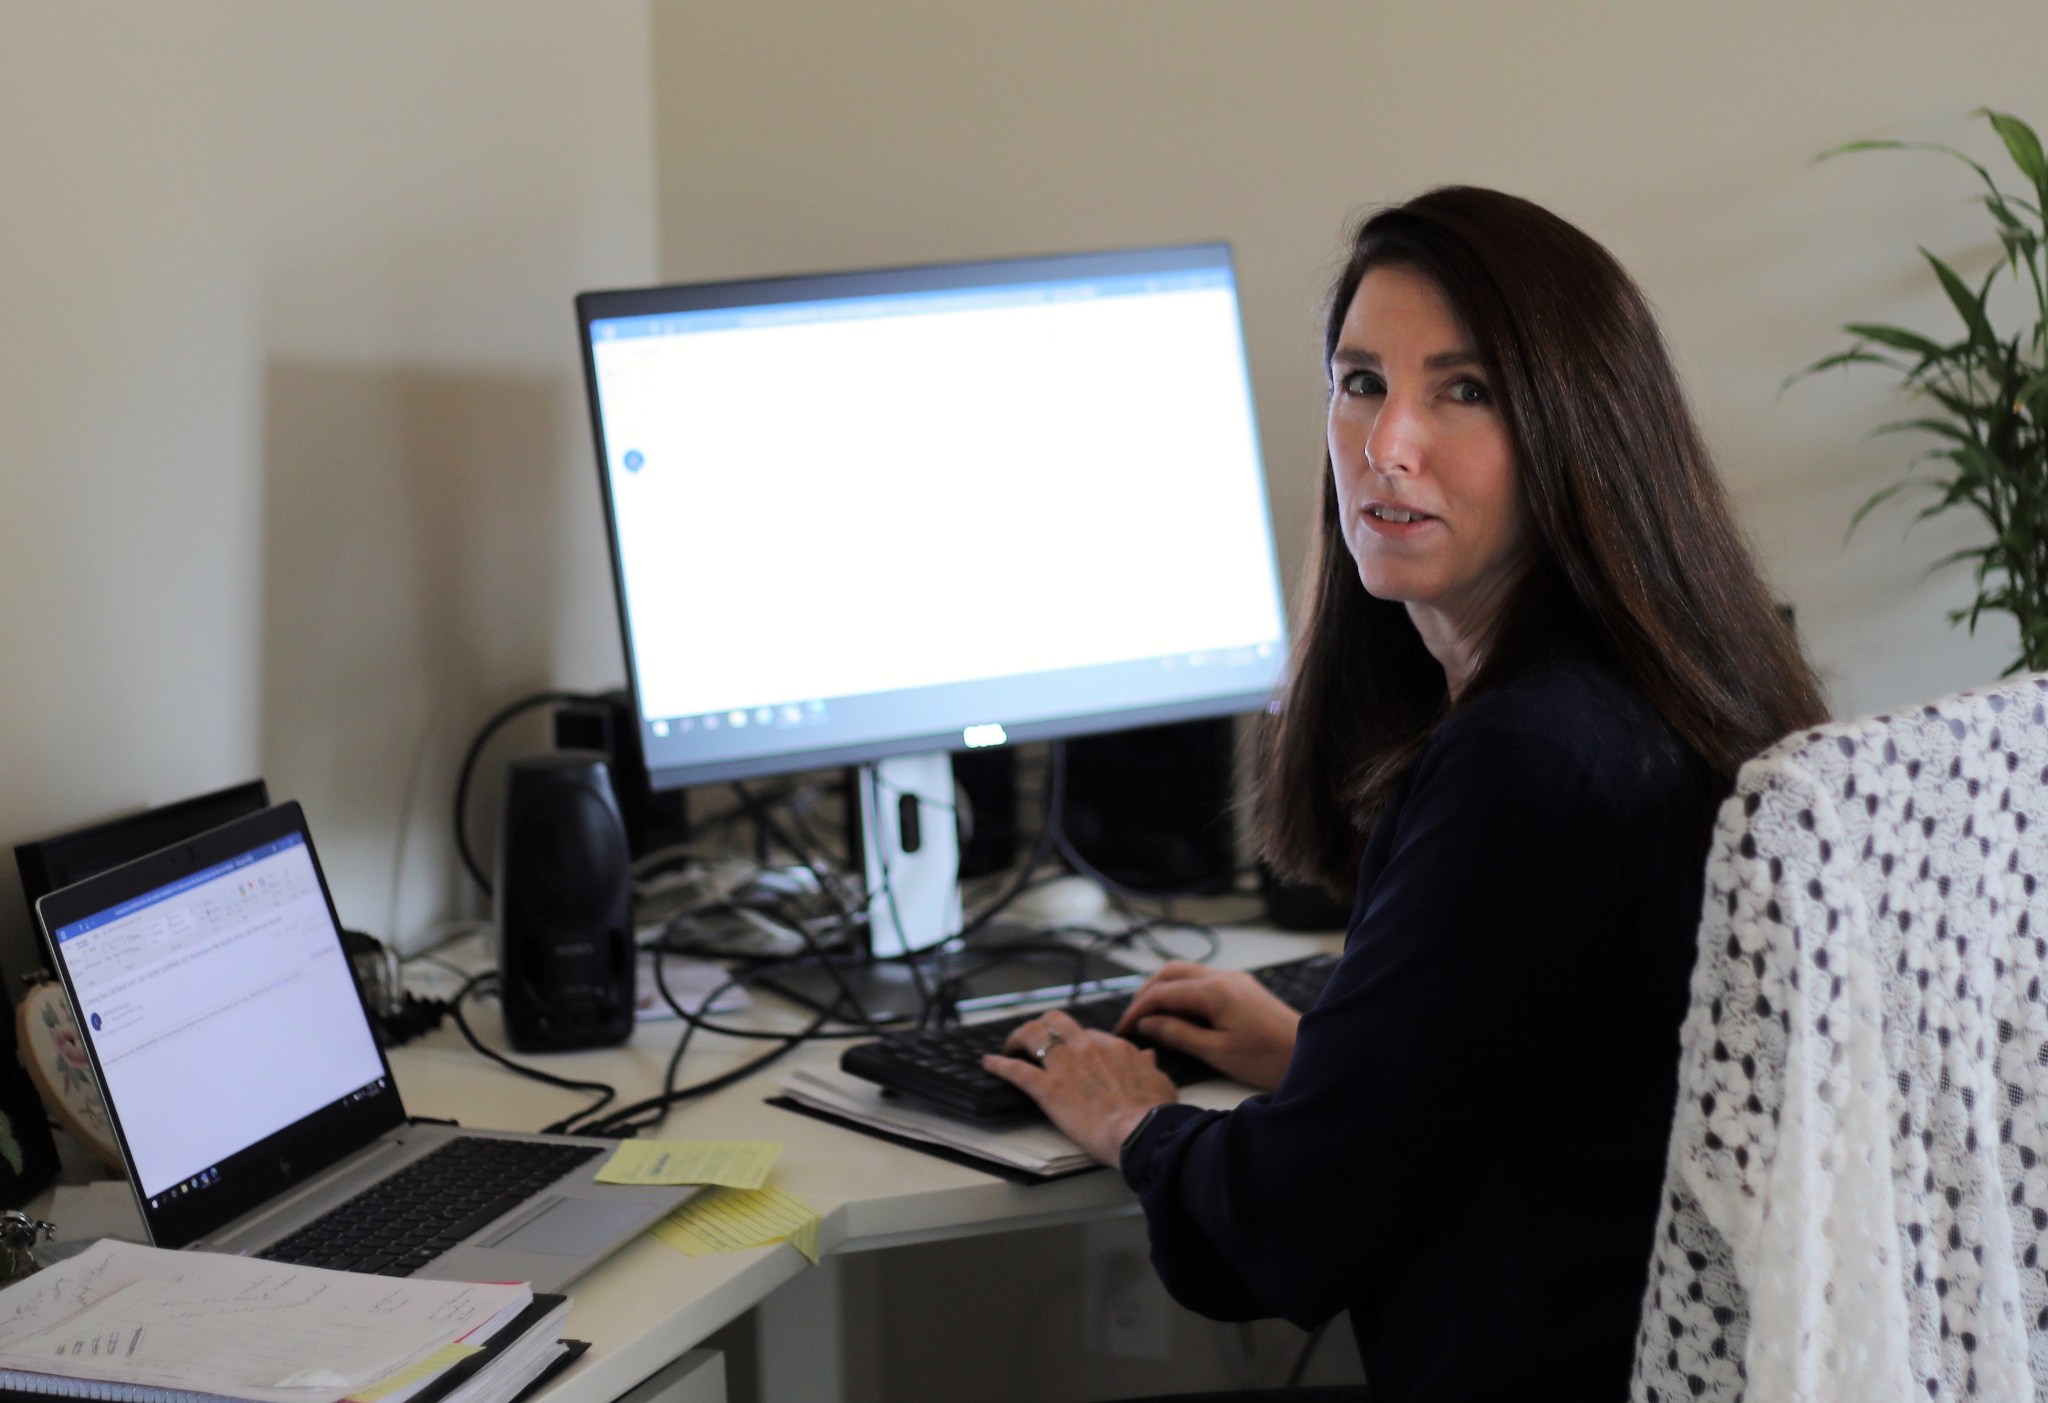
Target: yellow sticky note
x,y
729,1220
426,1368
737,1164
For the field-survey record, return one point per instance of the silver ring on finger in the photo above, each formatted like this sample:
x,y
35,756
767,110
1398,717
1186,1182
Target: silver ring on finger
x,y
1044,1049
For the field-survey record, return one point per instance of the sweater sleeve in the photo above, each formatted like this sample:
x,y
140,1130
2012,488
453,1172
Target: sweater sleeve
x,y
1478,933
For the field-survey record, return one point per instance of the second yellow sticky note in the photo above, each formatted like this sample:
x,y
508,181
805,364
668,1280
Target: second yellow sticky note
x,y
735,1164
729,1220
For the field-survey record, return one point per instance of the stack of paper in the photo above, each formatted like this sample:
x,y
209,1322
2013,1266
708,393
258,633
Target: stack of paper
x,y
522,1350
1032,1146
127,1322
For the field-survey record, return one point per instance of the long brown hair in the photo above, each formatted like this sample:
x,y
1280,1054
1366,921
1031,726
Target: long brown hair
x,y
1634,542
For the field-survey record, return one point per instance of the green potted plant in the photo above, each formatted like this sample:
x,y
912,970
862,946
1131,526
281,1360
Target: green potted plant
x,y
1985,396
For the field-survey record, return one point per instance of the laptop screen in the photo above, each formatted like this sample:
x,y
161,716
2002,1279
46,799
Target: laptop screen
x,y
221,1010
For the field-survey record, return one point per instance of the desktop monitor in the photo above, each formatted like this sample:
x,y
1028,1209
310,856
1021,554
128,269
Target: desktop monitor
x,y
875,517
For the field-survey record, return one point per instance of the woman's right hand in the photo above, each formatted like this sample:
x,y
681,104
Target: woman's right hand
x,y
1225,1017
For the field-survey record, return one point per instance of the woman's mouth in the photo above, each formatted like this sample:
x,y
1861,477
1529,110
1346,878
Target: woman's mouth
x,y
1384,520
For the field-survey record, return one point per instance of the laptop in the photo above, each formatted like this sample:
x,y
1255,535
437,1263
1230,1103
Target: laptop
x,y
246,1087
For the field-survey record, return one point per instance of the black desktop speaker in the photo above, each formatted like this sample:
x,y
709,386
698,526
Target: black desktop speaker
x,y
564,905
1151,810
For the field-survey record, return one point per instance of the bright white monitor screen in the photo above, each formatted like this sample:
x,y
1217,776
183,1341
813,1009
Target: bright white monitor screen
x,y
926,509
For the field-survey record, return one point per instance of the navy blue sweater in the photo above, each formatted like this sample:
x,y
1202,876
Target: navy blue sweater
x,y
1467,1148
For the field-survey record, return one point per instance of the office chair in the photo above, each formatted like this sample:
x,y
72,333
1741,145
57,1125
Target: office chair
x,y
1856,1197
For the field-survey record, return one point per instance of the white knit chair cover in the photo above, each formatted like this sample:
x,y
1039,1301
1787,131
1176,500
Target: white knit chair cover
x,y
1856,1198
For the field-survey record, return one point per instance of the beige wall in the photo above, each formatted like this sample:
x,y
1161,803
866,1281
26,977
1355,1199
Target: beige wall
x,y
292,448
293,459
801,137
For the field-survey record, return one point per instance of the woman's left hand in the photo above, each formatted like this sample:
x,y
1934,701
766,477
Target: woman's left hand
x,y
1095,1086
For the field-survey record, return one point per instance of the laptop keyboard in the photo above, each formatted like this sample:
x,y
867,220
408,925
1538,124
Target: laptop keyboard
x,y
406,1220
943,1067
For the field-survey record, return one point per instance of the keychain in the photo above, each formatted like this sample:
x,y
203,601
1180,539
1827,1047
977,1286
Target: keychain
x,y
19,1234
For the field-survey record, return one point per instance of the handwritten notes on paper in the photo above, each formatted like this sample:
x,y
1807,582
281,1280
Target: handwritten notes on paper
x,y
729,1220
736,1164
237,1326
152,1330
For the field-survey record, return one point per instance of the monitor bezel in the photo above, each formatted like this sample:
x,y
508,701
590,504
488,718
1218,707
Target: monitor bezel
x,y
679,298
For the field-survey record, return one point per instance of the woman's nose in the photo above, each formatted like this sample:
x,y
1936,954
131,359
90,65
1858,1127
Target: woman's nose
x,y
1395,442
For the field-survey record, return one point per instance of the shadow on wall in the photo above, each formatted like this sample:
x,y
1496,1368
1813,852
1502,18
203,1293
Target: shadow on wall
x,y
409,561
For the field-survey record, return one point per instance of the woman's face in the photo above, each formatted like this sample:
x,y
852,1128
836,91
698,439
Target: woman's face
x,y
1425,470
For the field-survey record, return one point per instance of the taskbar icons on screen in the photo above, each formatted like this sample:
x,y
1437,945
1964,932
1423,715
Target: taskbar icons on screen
x,y
1243,655
205,1179
783,716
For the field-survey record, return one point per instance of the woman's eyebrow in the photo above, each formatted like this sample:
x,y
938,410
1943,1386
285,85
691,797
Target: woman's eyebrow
x,y
1353,356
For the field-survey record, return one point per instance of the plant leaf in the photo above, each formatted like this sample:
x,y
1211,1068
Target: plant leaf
x,y
1971,307
2018,248
2035,394
1849,357
1877,499
1968,411
1957,492
1933,426
1941,147
1976,464
1848,146
1897,337
2005,217
1957,557
2022,145
1962,489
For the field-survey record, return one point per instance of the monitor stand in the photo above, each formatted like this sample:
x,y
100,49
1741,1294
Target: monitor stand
x,y
911,856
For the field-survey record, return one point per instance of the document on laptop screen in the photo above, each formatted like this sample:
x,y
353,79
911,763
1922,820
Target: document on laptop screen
x,y
221,1008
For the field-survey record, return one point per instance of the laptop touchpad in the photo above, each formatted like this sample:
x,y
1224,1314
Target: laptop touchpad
x,y
569,1227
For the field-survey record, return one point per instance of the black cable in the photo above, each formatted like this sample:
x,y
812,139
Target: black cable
x,y
1055,799
630,1119
1148,931
605,1092
761,808
427,957
725,1030
733,813
476,749
626,1120
802,824
770,827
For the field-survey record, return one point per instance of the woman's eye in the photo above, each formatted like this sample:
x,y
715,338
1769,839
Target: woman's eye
x,y
1470,392
1361,382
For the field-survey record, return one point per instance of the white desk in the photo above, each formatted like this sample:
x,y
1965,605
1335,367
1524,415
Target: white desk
x,y
648,1305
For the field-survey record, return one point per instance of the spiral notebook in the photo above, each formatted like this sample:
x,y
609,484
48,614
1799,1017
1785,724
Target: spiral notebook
x,y
119,1321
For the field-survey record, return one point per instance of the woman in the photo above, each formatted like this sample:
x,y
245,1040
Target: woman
x,y
1533,654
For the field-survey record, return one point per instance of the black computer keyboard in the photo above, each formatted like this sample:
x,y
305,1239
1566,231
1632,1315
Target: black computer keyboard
x,y
944,1067
404,1221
